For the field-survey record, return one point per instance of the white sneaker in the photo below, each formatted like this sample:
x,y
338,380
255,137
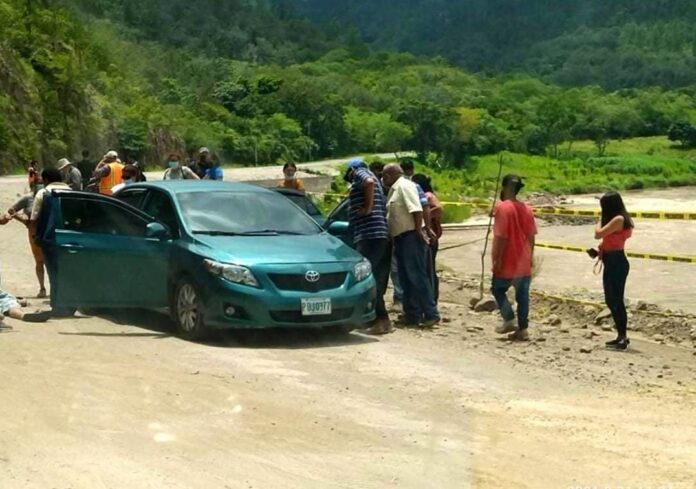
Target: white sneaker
x,y
506,327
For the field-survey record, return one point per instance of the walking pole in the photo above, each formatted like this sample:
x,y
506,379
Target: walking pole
x,y
490,225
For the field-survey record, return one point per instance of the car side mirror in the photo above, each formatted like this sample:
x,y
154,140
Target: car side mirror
x,y
156,230
338,228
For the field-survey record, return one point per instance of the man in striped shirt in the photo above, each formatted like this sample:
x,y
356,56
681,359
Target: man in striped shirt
x,y
368,222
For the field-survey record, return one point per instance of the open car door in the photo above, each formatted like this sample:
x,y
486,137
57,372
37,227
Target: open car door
x,y
109,254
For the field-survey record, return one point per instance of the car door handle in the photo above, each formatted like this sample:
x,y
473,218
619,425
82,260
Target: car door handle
x,y
72,247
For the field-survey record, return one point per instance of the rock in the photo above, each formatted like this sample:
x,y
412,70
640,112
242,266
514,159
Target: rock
x,y
473,301
642,306
564,330
567,348
540,339
605,314
553,320
585,349
485,305
607,327
589,310
659,338
446,320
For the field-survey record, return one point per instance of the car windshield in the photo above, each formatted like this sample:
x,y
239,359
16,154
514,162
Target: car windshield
x,y
243,213
305,204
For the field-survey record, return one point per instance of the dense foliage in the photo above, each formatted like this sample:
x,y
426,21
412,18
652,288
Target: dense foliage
x,y
257,86
616,43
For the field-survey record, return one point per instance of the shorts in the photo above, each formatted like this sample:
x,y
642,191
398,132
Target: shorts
x,y
35,250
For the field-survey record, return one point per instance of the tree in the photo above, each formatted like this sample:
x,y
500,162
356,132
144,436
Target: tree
x,y
375,131
683,132
430,125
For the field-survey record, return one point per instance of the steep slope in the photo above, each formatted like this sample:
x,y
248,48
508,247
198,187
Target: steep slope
x,y
622,43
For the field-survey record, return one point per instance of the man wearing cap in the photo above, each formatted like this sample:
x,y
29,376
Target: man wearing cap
x,y
513,252
368,222
109,173
201,166
411,241
70,174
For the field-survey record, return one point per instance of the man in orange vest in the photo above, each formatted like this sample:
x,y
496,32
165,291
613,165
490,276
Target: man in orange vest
x,y
109,173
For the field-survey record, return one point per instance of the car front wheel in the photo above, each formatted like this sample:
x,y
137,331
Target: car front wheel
x,y
188,312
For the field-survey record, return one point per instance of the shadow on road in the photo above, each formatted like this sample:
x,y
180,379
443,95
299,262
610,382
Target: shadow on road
x,y
161,326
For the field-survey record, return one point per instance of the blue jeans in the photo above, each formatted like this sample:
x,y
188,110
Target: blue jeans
x,y
501,286
412,262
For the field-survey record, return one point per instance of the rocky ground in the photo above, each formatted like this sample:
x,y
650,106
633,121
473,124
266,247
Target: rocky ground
x,y
117,401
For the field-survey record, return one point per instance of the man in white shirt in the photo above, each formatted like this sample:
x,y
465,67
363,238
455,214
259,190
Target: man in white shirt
x,y
406,228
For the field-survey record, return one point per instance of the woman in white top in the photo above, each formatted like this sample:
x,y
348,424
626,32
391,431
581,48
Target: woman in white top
x,y
176,169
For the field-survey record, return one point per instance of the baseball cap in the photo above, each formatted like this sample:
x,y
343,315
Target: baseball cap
x,y
356,163
203,150
511,180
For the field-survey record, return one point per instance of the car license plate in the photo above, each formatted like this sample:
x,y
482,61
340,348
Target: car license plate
x,y
316,307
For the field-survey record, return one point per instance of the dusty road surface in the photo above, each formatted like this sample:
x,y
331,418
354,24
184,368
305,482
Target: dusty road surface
x,y
117,402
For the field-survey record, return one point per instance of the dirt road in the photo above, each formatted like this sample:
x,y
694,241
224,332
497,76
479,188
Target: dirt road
x,y
117,402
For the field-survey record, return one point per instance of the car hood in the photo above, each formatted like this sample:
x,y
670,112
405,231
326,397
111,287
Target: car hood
x,y
271,250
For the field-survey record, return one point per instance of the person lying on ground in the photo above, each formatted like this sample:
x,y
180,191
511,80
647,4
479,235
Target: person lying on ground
x,y
10,306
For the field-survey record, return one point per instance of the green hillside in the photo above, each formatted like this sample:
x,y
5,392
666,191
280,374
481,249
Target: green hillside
x,y
260,86
615,44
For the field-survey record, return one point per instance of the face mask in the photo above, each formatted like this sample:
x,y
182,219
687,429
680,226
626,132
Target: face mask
x,y
128,181
289,176
173,165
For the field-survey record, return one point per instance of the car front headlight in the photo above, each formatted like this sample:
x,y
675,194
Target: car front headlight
x,y
233,273
362,270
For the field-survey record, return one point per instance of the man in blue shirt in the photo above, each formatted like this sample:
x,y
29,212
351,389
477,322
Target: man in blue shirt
x,y
368,222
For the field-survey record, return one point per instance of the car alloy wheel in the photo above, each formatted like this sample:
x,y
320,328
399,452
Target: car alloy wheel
x,y
187,307
187,312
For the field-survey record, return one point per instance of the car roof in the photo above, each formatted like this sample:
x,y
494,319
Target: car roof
x,y
189,186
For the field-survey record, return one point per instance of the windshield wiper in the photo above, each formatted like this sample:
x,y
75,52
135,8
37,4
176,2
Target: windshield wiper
x,y
261,232
217,233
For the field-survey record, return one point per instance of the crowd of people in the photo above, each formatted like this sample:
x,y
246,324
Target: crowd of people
x,y
396,223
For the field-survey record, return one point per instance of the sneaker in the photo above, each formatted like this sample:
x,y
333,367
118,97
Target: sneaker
x,y
620,344
381,327
405,322
37,317
430,323
519,335
506,327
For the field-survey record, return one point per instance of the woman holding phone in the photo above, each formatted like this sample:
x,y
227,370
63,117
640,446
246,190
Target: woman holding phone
x,y
614,229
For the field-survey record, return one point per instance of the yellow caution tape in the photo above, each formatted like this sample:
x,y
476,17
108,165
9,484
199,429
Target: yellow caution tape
x,y
559,211
630,254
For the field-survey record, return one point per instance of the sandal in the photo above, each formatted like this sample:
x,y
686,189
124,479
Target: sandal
x,y
42,294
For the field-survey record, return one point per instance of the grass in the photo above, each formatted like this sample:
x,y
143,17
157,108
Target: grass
x,y
638,163
631,164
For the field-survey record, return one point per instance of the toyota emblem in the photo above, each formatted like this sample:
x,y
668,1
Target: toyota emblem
x,y
312,277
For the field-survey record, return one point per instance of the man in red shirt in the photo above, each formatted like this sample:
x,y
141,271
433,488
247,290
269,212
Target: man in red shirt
x,y
513,251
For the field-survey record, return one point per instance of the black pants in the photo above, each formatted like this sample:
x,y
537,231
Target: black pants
x,y
51,261
379,254
616,268
432,269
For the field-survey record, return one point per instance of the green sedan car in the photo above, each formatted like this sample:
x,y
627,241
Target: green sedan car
x,y
219,255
